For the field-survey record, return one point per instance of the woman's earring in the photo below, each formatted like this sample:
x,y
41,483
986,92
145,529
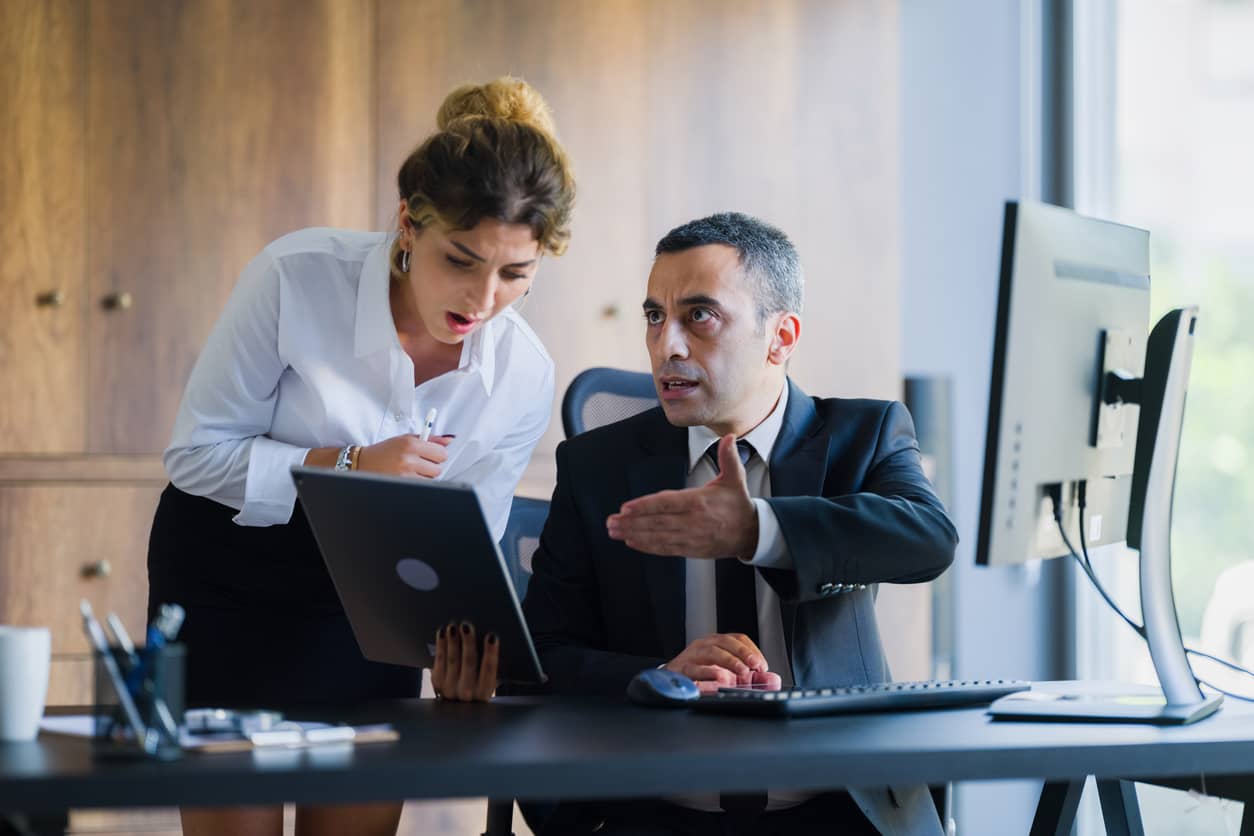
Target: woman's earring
x,y
404,261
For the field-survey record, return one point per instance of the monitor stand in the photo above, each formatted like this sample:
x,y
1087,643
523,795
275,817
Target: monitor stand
x,y
1168,356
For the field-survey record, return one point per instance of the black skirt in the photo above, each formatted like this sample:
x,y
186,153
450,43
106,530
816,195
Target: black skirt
x,y
264,625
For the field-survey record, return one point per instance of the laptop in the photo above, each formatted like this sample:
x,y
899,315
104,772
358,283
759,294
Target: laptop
x,y
409,556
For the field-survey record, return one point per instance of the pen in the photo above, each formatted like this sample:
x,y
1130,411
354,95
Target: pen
x,y
163,630
428,424
170,620
165,627
101,646
122,637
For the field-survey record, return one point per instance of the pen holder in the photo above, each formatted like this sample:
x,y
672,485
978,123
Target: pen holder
x,y
149,725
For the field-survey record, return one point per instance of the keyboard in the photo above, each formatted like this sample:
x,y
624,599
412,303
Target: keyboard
x,y
886,696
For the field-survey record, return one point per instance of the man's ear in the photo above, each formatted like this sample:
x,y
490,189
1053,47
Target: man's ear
x,y
784,336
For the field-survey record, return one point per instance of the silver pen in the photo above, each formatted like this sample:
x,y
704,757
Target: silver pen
x,y
122,637
428,424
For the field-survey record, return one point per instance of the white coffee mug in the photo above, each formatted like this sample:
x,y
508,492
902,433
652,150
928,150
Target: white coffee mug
x,y
25,654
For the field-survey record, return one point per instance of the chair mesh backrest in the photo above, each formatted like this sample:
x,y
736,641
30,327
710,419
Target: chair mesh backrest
x,y
601,396
526,548
603,408
522,538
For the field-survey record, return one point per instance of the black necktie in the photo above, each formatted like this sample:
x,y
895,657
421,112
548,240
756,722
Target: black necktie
x,y
736,602
735,593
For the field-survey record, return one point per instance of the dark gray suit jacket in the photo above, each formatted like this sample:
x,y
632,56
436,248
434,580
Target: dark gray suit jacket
x,y
853,507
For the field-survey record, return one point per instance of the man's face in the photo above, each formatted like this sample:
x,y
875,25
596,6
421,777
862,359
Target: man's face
x,y
709,355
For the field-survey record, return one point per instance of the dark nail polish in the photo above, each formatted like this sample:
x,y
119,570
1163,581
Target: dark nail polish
x,y
465,629
491,638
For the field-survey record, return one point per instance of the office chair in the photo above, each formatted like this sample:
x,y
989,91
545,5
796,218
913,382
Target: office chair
x,y
522,537
602,396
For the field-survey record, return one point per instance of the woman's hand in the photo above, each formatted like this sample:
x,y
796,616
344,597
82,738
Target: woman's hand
x,y
458,673
405,455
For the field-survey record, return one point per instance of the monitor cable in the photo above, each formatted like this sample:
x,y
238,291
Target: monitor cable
x,y
1055,494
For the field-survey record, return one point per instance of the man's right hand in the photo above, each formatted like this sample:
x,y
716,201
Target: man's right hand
x,y
724,660
405,455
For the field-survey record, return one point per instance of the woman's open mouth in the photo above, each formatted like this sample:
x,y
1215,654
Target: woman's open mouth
x,y
459,324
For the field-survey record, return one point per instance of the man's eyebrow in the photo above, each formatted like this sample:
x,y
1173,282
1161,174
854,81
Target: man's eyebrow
x,y
700,299
651,304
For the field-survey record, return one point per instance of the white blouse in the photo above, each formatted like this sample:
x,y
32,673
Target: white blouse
x,y
306,355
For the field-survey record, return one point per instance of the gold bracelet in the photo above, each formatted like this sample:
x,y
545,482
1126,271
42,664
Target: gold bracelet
x,y
353,456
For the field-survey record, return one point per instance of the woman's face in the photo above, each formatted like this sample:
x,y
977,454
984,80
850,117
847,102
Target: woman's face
x,y
461,279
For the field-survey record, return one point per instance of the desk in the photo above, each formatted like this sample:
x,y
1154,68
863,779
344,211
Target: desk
x,y
585,748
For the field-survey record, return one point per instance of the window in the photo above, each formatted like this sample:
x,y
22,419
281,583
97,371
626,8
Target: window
x,y
1164,117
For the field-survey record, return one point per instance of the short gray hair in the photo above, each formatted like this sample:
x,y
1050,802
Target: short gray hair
x,y
769,260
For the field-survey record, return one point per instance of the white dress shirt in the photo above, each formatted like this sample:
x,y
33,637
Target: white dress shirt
x,y
306,355
701,613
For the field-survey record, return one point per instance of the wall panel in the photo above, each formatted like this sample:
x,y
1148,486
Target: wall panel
x,y
786,110
214,127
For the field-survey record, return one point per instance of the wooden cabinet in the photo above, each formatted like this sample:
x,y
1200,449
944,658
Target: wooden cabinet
x,y
63,543
72,532
171,141
43,214
150,150
214,128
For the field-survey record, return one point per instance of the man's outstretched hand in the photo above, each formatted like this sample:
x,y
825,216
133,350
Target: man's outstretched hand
x,y
713,521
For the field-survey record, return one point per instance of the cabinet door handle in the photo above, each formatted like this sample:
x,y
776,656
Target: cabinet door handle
x,y
51,299
97,569
119,301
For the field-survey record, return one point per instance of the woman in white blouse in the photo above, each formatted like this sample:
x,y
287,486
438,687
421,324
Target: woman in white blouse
x,y
332,349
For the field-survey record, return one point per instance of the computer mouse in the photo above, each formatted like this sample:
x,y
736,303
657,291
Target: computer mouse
x,y
660,687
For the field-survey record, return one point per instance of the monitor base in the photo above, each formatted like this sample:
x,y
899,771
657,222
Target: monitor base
x,y
1102,703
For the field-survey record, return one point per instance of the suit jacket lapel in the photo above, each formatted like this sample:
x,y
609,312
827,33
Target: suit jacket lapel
x,y
664,466
798,465
799,458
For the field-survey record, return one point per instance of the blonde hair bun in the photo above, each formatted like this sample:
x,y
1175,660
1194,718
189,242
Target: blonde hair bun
x,y
507,98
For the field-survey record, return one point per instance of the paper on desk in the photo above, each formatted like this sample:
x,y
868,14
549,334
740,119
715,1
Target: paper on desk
x,y
83,725
300,734
74,725
291,735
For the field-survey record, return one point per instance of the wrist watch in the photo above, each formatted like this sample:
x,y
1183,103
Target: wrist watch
x,y
344,461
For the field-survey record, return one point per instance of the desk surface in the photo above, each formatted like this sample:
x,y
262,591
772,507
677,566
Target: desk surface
x,y
531,748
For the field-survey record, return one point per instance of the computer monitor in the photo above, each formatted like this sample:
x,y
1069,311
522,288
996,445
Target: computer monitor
x,y
1074,297
1082,405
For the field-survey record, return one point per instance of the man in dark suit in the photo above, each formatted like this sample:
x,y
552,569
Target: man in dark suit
x,y
734,534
